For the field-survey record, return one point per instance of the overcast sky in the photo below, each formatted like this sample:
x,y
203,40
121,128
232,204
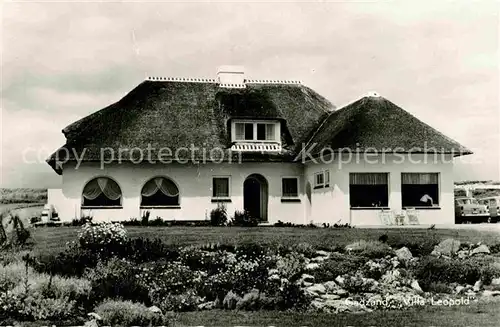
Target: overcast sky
x,y
63,61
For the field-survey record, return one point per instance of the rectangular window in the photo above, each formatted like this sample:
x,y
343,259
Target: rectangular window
x,y
290,187
322,179
256,131
420,189
248,131
239,131
369,190
220,187
319,180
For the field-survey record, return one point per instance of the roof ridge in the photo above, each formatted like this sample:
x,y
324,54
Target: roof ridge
x,y
213,80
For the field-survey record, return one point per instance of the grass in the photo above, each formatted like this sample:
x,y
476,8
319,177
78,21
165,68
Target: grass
x,y
53,239
475,314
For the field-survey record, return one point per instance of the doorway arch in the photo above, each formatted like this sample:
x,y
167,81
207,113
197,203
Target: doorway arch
x,y
255,196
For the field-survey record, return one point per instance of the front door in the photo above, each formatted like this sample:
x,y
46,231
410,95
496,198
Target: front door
x,y
251,196
255,196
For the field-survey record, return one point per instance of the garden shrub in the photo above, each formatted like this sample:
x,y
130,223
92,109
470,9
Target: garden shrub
x,y
117,278
218,216
162,279
71,262
143,249
101,235
145,218
438,287
306,249
495,248
290,266
11,275
208,261
250,250
370,249
127,313
187,301
244,219
463,271
338,265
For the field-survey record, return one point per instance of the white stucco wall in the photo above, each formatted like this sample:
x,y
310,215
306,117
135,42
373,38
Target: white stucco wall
x,y
328,205
195,187
332,204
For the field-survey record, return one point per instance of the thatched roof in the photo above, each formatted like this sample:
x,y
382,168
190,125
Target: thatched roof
x,y
174,114
375,123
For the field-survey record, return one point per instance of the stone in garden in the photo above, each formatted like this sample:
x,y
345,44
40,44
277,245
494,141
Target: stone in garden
x,y
307,278
306,284
404,254
91,323
250,301
322,253
329,297
154,309
230,300
312,266
491,293
482,249
495,282
340,280
447,247
316,289
415,286
330,286
318,259
459,289
477,286
95,316
207,305
462,254
340,292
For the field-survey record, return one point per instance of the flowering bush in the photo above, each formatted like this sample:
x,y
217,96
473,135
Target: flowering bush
x,y
208,261
167,278
100,235
290,266
187,301
127,313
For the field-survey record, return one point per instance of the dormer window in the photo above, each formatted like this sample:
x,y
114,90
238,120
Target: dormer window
x,y
256,131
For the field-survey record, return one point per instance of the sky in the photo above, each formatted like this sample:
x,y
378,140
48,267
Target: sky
x,y
439,60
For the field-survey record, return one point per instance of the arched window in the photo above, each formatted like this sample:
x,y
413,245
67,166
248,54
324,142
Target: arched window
x,y
101,192
160,191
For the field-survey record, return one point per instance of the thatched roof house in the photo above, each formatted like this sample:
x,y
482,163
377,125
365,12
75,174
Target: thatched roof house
x,y
266,125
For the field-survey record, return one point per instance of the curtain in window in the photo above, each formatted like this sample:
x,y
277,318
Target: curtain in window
x,y
270,132
368,178
221,187
166,186
240,131
419,178
102,185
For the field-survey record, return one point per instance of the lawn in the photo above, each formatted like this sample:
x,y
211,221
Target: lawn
x,y
475,314
53,239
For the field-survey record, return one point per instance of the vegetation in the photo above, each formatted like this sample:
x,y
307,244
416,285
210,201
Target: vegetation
x,y
23,195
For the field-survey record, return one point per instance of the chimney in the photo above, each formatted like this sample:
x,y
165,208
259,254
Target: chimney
x,y
231,74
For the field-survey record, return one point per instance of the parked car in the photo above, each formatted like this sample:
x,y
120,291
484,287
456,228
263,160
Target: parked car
x,y
469,210
492,204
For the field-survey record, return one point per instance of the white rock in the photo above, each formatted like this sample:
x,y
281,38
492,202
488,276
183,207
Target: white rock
x,y
491,293
447,247
459,289
154,309
415,286
316,289
340,280
480,249
93,315
404,254
323,253
307,278
330,297
312,266
330,286
477,286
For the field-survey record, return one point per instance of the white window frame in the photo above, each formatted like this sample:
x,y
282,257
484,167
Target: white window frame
x,y
326,179
277,131
298,187
228,188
